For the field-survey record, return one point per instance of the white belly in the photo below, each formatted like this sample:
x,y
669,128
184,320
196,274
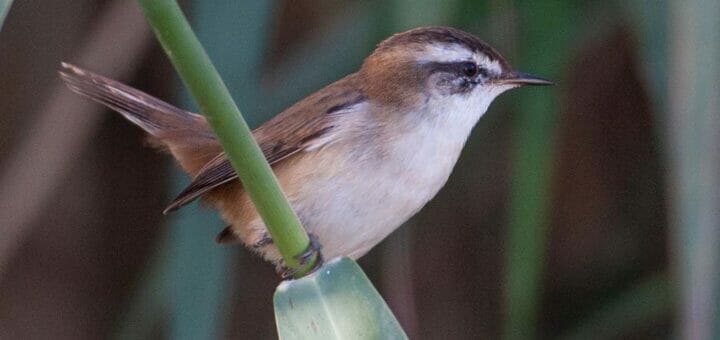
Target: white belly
x,y
363,198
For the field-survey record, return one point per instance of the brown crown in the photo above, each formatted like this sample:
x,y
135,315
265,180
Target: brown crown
x,y
439,34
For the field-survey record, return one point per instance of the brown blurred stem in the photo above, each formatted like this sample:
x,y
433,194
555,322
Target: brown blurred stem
x,y
64,125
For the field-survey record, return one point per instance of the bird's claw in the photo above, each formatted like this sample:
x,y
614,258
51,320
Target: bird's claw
x,y
312,251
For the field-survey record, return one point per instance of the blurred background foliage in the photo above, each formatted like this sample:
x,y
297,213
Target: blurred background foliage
x,y
586,210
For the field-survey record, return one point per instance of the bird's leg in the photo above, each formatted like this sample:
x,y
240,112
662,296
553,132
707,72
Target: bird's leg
x,y
265,240
313,251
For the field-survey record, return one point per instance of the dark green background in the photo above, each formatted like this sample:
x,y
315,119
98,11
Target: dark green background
x,y
585,210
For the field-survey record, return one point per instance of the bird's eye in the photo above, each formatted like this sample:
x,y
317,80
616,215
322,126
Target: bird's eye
x,y
469,69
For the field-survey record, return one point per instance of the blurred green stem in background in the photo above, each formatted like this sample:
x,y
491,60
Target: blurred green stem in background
x,y
693,131
685,96
648,301
544,42
200,76
4,9
650,22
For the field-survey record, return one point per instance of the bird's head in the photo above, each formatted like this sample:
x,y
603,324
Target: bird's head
x,y
439,65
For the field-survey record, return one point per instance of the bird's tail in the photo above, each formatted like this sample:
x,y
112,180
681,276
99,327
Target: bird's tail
x,y
185,134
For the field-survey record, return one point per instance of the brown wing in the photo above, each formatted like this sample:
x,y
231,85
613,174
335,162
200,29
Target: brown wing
x,y
291,131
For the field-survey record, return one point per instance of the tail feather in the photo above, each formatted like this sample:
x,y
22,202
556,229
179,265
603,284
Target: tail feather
x,y
185,134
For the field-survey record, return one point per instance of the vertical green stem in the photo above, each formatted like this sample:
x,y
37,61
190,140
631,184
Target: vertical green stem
x,y
544,41
198,73
693,132
646,302
4,9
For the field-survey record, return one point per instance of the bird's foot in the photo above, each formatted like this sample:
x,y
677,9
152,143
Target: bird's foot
x,y
312,252
265,240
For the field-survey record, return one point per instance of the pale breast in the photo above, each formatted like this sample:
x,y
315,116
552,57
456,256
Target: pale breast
x,y
354,200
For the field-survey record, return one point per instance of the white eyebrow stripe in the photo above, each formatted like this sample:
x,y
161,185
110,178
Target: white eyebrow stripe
x,y
453,53
493,66
446,53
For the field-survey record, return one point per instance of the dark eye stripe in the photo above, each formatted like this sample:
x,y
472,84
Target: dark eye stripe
x,y
457,68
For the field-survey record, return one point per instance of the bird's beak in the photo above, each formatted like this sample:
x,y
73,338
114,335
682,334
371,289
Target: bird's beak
x,y
520,79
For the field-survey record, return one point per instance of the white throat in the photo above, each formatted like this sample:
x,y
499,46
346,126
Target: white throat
x,y
452,117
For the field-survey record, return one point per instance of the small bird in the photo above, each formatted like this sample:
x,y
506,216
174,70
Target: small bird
x,y
355,159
